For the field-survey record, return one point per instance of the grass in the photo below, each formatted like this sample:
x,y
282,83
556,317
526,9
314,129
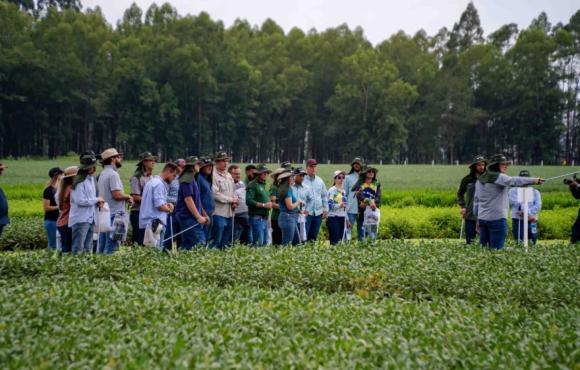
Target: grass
x,y
392,305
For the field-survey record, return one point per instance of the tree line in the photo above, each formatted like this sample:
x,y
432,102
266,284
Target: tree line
x,y
159,81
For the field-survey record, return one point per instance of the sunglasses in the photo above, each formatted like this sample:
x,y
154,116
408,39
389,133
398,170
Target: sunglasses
x,y
340,177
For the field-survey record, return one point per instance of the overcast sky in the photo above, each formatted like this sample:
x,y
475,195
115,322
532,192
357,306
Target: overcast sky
x,y
379,18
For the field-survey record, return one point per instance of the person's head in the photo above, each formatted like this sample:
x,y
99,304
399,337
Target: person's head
x,y
478,165
250,171
66,181
339,178
180,164
498,163
262,172
205,166
88,163
299,174
169,172
221,161
2,168
284,181
111,157
277,172
356,165
311,166
370,174
54,175
236,172
286,165
146,162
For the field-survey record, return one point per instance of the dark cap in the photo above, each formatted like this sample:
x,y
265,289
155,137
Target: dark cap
x,y
299,171
311,162
261,168
54,172
286,165
221,156
192,160
498,158
525,173
250,167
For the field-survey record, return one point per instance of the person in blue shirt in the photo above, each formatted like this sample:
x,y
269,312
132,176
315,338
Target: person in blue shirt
x,y
517,213
317,205
83,201
289,206
155,204
4,220
172,193
204,181
189,209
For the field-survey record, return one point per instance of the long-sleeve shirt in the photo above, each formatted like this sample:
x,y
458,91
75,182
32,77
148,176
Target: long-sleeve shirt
x,y
534,205
207,197
349,182
465,194
256,193
173,191
302,192
82,202
4,220
318,202
224,191
336,200
154,196
241,193
490,202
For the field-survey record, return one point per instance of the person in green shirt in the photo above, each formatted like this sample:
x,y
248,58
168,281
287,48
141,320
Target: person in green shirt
x,y
259,205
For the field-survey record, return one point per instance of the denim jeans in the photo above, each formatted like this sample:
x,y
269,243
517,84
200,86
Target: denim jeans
x,y
470,231
1,230
493,233
193,237
138,234
243,231
221,232
50,228
518,229
106,244
82,238
65,238
259,227
172,224
287,223
313,227
352,218
335,226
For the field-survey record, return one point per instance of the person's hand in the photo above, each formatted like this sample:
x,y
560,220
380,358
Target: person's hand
x,y
171,207
130,200
267,205
203,220
343,205
520,213
324,214
540,181
373,206
463,211
477,228
532,218
348,224
100,202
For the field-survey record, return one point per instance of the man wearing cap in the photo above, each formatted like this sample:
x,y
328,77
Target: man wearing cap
x,y
83,201
352,204
517,213
4,220
250,173
226,201
465,196
490,203
137,183
243,231
259,205
110,188
154,203
317,206
189,208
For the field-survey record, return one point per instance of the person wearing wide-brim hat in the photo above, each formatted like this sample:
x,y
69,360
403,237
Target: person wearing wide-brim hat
x,y
63,199
465,195
50,206
204,180
226,201
337,204
83,201
142,175
259,205
276,231
110,187
4,219
289,205
368,194
491,200
517,212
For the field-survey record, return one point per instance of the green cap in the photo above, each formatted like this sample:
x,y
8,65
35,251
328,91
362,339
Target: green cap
x,y
498,158
525,173
478,159
221,156
261,168
147,156
191,160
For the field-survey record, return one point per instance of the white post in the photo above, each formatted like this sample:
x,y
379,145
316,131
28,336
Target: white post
x,y
432,162
525,200
405,162
457,163
542,163
252,161
328,161
381,162
572,163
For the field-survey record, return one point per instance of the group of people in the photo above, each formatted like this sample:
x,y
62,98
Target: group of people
x,y
484,196
204,202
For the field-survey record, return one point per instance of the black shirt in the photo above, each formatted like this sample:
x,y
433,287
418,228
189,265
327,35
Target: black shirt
x,y
49,194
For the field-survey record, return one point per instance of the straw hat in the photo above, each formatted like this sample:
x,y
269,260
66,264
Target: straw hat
x,y
285,175
70,171
111,152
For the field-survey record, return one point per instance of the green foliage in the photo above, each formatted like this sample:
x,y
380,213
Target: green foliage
x,y
402,305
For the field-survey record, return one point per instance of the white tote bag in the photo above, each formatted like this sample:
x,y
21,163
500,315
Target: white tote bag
x,y
103,219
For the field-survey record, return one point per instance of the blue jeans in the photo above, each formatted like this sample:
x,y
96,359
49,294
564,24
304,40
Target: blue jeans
x,y
352,218
493,233
313,227
470,232
243,231
221,232
259,226
335,226
371,231
287,223
65,238
518,230
82,238
106,244
50,228
193,237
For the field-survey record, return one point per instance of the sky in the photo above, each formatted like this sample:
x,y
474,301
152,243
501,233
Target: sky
x,y
379,18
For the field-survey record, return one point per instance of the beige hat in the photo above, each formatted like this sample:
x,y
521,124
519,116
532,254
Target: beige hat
x,y
70,171
278,171
111,152
284,175
338,172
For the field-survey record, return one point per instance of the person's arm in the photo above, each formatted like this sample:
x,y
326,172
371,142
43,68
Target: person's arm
x,y
291,206
219,195
251,197
516,181
46,202
192,208
460,198
86,198
323,196
476,200
160,200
